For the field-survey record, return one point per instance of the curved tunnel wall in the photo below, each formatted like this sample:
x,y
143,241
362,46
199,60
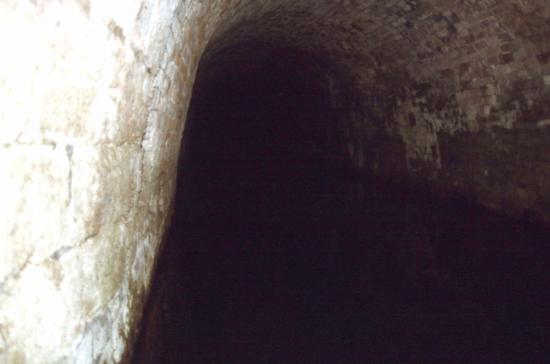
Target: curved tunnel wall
x,y
447,95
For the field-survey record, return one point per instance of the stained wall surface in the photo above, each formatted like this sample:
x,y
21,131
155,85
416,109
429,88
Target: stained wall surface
x,y
445,96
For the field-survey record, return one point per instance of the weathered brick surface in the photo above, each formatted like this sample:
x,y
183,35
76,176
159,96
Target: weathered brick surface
x,y
426,70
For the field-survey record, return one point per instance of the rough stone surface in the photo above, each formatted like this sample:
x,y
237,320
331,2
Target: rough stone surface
x,y
451,96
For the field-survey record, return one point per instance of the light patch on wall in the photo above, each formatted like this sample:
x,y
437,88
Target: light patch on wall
x,y
50,332
420,138
37,192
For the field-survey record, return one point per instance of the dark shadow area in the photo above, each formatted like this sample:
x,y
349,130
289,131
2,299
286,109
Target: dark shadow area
x,y
269,261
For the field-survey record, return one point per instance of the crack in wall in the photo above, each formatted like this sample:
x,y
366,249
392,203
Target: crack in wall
x,y
14,274
69,151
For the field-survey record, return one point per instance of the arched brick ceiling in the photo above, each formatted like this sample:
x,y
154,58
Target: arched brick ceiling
x,y
412,35
423,72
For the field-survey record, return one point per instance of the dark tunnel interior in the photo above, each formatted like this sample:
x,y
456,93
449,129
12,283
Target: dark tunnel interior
x,y
269,260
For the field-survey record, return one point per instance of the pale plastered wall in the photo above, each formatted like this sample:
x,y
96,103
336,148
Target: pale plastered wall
x,y
93,98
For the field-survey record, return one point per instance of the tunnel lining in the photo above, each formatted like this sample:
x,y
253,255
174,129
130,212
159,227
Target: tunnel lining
x,y
417,256
415,253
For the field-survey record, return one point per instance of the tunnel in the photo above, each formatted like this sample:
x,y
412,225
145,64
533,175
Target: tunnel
x,y
279,252
309,181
